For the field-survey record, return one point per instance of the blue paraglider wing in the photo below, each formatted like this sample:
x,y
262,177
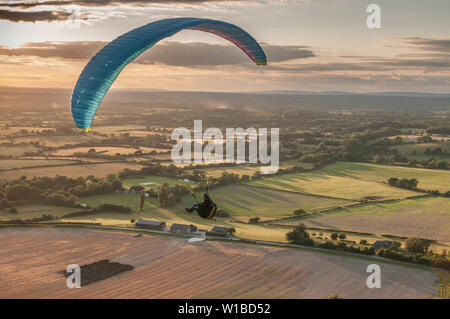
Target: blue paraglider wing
x,y
103,69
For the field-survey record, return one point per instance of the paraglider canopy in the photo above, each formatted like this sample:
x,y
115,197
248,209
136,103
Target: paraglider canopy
x,y
102,70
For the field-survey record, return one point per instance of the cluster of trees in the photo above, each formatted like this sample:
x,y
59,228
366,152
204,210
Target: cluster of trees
x,y
168,196
342,246
335,236
438,151
299,236
416,249
443,130
434,164
404,182
59,190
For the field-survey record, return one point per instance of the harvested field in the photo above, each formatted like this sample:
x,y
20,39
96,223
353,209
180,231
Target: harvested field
x,y
98,170
24,163
31,261
55,141
16,150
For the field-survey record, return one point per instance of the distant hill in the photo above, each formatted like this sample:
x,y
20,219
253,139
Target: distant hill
x,y
33,99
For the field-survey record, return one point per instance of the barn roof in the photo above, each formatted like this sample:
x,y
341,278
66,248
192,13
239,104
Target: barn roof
x,y
219,229
149,222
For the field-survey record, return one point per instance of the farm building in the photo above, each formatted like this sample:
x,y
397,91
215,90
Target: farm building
x,y
218,231
382,244
151,224
182,229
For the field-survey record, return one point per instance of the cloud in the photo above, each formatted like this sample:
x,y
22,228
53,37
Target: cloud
x,y
439,45
194,54
98,3
77,50
33,16
56,10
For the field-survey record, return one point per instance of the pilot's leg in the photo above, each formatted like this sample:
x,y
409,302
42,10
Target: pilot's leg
x,y
193,208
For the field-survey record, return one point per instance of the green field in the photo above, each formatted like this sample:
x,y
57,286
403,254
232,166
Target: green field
x,y
324,184
429,179
32,211
252,201
427,217
238,200
409,148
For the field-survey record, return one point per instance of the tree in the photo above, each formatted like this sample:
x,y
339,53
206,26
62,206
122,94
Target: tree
x,y
253,220
141,199
3,204
298,235
342,236
17,192
412,183
334,236
396,245
299,212
393,181
116,184
231,230
442,165
417,245
132,220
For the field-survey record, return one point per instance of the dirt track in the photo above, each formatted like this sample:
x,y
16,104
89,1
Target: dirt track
x,y
31,261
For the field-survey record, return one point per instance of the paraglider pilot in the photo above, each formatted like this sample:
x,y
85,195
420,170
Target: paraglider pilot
x,y
205,209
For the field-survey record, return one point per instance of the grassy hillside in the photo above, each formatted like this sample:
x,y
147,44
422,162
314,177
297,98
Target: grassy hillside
x,y
427,217
429,179
252,201
326,184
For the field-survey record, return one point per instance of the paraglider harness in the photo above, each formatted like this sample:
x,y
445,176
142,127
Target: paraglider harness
x,y
206,209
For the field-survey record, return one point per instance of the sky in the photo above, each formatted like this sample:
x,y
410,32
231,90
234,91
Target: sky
x,y
311,45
